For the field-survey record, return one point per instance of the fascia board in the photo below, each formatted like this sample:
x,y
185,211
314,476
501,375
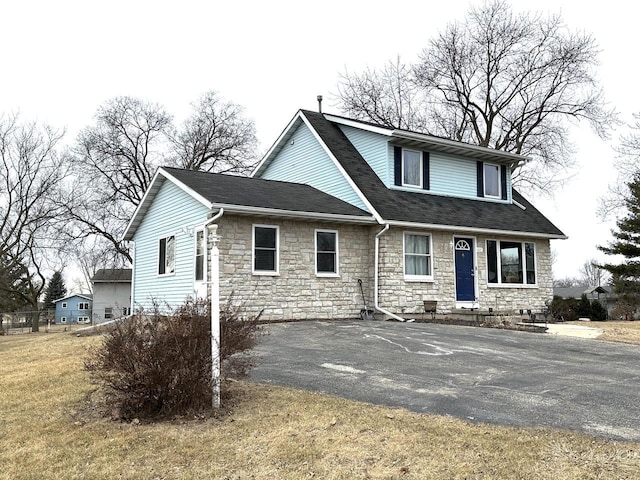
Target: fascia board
x,y
272,212
508,157
356,124
483,231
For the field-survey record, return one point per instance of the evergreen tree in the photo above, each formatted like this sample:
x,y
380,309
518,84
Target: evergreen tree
x,y
13,286
626,275
55,289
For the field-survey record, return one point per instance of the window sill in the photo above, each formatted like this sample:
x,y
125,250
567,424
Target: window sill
x,y
327,275
260,273
418,279
512,285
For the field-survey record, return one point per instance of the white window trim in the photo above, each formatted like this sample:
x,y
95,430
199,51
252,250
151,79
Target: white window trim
x,y
205,273
421,164
499,284
81,306
484,180
315,236
63,305
175,250
63,319
417,278
272,273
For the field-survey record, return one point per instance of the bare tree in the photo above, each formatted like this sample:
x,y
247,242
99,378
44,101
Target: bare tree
x,y
614,202
387,97
505,81
592,274
217,137
31,173
115,161
566,282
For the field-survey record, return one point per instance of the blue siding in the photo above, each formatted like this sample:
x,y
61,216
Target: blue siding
x,y
373,148
303,160
71,311
450,175
171,211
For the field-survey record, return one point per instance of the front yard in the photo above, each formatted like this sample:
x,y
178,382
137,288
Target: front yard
x,y
625,332
51,429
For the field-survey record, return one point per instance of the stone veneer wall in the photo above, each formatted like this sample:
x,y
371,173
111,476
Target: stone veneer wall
x,y
296,293
406,297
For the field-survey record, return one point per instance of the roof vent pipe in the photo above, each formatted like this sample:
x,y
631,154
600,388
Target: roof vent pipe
x,y
319,103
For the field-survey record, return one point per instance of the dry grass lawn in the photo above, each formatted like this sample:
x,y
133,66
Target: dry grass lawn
x,y
49,429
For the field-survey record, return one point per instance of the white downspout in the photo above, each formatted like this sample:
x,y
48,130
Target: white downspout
x,y
375,276
214,218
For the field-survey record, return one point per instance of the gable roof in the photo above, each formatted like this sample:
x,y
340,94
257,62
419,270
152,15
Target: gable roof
x,y
245,195
112,275
429,210
86,296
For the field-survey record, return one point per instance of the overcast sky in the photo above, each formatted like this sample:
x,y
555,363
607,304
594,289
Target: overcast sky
x,y
62,59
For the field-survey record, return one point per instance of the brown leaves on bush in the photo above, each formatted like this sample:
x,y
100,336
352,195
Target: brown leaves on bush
x,y
154,365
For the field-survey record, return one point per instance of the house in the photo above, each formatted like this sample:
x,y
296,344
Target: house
x,y
75,308
603,294
111,294
415,217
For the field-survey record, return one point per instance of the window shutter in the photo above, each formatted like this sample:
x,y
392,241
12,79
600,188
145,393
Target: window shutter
x,y
425,171
480,179
503,181
397,165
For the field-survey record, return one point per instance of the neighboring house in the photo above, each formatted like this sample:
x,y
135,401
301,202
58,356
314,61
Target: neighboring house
x,y
75,308
334,200
604,294
111,294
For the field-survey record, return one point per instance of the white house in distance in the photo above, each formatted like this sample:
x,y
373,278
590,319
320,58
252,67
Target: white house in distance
x,y
111,294
415,217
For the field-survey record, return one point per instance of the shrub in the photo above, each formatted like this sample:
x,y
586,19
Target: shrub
x,y
570,309
160,365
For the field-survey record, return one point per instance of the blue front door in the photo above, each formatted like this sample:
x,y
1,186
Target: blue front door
x,y
465,271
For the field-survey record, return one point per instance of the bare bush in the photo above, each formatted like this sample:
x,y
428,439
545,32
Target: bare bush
x,y
156,365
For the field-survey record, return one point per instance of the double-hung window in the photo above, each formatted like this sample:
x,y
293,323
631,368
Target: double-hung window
x,y
511,263
265,249
418,263
167,255
492,180
83,306
411,168
326,252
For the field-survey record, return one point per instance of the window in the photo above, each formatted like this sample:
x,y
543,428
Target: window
x,y
126,311
417,256
326,252
511,262
108,313
64,305
411,168
200,255
492,180
63,319
265,249
167,255
83,306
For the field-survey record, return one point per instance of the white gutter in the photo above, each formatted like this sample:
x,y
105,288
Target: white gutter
x,y
375,277
214,218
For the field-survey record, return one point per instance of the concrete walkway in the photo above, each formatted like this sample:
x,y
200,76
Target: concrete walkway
x,y
573,330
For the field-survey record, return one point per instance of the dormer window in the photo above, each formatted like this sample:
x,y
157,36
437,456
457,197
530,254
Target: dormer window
x,y
411,168
492,180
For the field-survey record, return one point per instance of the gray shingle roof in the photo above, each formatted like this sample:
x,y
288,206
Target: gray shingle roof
x,y
112,275
403,206
271,194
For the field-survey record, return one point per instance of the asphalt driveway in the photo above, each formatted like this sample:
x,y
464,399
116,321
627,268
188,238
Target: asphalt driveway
x,y
485,375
